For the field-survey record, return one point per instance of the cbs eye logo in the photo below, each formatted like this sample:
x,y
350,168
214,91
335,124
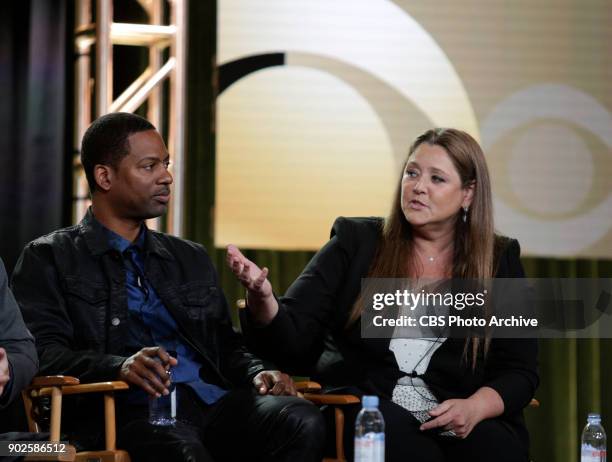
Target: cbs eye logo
x,y
552,144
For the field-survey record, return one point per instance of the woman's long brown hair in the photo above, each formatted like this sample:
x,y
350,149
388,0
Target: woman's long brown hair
x,y
474,239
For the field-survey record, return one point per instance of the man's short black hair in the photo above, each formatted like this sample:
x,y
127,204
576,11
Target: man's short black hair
x,y
106,141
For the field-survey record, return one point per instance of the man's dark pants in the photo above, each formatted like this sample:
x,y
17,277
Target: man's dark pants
x,y
240,426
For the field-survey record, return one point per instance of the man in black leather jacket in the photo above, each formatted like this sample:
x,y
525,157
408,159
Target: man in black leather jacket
x,y
18,362
107,299
18,359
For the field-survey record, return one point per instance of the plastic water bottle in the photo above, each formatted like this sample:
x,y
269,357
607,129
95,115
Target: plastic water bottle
x,y
593,448
162,410
369,432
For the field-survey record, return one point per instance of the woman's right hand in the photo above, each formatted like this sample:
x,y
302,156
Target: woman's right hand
x,y
262,304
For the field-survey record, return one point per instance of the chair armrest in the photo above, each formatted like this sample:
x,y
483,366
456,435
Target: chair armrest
x,y
312,392
306,386
321,399
53,381
87,388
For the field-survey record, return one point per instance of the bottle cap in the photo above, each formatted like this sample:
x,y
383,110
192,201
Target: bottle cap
x,y
369,401
594,418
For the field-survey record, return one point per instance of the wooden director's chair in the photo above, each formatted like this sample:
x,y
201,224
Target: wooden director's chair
x,y
58,386
312,392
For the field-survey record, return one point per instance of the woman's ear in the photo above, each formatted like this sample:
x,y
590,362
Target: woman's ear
x,y
103,174
468,194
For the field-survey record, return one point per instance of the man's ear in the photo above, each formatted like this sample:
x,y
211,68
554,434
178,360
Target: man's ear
x,y
104,176
468,196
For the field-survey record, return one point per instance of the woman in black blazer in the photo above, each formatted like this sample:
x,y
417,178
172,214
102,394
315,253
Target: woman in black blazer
x,y
442,399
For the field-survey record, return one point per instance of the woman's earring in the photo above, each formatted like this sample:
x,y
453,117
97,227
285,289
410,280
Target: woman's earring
x,y
465,212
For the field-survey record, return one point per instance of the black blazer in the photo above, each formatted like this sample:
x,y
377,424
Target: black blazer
x,y
320,300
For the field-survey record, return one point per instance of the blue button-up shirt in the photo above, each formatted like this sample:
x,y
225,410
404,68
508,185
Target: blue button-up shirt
x,y
151,324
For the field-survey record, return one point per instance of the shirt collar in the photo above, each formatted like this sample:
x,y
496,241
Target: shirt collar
x,y
98,238
120,243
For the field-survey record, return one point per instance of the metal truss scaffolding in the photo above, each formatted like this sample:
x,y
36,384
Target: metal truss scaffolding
x,y
98,91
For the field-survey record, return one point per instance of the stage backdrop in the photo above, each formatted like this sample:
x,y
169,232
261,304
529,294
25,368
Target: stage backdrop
x,y
318,102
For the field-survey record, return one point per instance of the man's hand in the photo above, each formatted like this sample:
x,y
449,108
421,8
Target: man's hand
x,y
5,375
274,383
149,370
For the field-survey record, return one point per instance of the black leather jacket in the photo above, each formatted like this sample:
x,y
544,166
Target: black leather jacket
x,y
18,343
71,288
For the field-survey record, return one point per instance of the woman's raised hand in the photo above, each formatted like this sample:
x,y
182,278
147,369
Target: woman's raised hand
x,y
262,304
254,279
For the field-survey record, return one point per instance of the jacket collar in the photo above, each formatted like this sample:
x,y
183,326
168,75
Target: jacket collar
x,y
98,243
